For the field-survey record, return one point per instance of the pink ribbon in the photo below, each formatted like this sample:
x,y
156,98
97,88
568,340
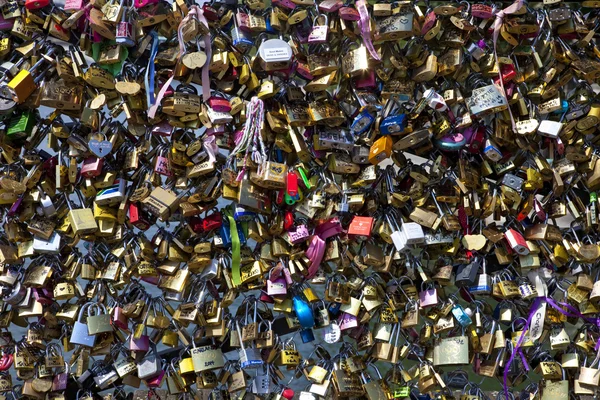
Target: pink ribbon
x,y
316,249
210,145
315,253
513,8
195,12
364,23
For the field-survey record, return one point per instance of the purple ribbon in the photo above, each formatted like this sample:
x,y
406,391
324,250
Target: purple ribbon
x,y
572,312
517,349
364,23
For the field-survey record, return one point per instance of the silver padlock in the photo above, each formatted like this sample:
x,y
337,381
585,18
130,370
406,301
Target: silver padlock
x,y
550,129
50,246
150,366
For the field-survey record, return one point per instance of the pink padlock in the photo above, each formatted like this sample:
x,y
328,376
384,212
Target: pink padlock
x,y
141,344
243,22
92,167
366,80
348,14
163,164
288,276
329,6
156,381
144,3
119,318
482,11
73,5
59,382
39,296
303,71
319,31
428,296
289,4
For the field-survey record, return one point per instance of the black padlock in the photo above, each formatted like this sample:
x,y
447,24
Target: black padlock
x,y
466,274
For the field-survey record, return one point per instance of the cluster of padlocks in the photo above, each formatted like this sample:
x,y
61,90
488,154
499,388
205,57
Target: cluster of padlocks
x,y
299,199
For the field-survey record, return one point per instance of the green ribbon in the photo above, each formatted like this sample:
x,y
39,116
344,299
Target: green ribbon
x,y
236,259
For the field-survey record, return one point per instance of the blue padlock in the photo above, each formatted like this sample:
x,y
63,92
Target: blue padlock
x,y
362,122
241,214
307,335
334,309
393,124
303,312
225,233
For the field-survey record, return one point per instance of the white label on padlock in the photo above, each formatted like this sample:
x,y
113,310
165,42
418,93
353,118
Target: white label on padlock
x,y
275,50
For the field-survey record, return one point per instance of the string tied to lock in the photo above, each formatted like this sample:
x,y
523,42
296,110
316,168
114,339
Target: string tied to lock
x,y
251,140
513,8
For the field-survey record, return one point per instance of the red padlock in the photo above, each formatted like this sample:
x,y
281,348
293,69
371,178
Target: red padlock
x,y
516,241
6,361
92,166
212,221
361,227
137,218
288,220
477,141
219,103
210,12
196,224
36,4
508,72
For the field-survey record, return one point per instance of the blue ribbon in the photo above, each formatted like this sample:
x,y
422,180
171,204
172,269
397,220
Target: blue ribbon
x,y
149,77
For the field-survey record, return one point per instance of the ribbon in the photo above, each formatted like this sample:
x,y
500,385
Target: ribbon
x,y
198,13
364,23
210,145
516,349
513,8
236,259
317,247
537,305
149,76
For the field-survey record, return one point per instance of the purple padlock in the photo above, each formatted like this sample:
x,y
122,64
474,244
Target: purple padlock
x,y
428,296
141,344
347,321
298,234
277,286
